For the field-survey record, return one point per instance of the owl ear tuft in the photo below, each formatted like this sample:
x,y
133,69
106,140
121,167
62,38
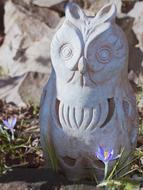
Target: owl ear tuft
x,y
73,12
107,13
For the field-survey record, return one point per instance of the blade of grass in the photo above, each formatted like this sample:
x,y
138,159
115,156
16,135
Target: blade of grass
x,y
128,173
52,156
125,166
114,168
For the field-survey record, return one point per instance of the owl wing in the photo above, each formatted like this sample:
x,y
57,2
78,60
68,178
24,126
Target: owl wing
x,y
48,96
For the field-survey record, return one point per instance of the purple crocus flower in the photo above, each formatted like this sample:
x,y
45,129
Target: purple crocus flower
x,y
105,156
10,123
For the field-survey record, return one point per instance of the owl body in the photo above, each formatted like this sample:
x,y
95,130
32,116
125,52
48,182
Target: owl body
x,y
88,101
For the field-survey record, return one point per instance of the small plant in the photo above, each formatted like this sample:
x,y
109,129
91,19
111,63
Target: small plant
x,y
106,157
10,124
12,146
119,177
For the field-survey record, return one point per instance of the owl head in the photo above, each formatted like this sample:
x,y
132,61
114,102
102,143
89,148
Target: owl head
x,y
88,51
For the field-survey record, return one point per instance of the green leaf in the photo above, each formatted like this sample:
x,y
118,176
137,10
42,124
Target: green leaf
x,y
52,156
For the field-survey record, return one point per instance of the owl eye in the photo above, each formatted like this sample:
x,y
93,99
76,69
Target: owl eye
x,y
66,52
104,54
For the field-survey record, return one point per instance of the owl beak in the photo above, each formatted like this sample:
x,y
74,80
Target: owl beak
x,y
82,65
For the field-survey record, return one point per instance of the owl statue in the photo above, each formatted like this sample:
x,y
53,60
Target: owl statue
x,y
88,101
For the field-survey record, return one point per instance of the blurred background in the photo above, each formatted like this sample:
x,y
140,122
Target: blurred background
x,y
26,30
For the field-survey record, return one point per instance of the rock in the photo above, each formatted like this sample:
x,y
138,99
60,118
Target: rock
x,y
9,89
135,54
27,43
79,187
23,89
1,22
26,48
137,14
1,17
14,186
51,3
127,5
27,186
32,86
94,6
45,3
60,8
44,14
1,39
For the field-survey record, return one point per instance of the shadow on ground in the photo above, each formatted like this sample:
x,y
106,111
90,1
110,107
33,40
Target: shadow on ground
x,y
32,175
41,179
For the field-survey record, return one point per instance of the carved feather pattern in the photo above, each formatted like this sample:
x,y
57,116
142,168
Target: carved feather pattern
x,y
83,118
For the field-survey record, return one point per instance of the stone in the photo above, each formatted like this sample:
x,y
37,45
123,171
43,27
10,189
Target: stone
x,y
26,50
96,5
44,14
88,101
78,187
9,89
22,90
135,54
45,3
24,53
14,186
27,186
137,14
1,17
31,87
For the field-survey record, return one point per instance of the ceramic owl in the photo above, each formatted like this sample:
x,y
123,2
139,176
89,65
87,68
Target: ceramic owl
x,y
88,101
